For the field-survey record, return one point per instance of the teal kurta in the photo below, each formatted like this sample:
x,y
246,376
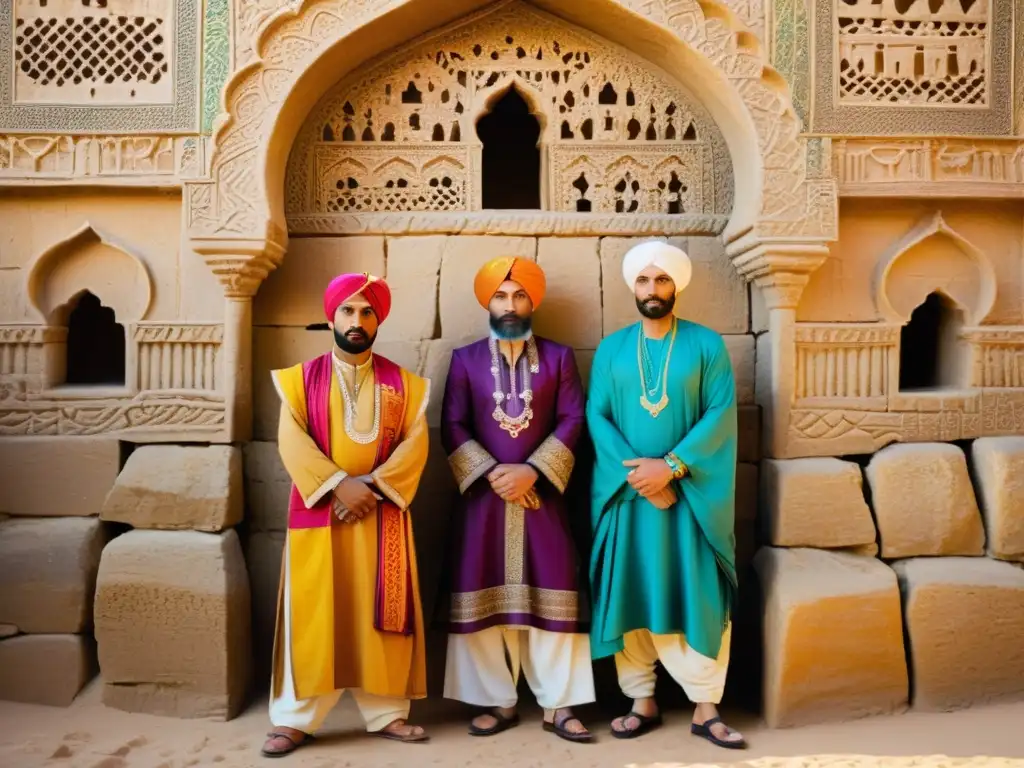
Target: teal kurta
x,y
669,571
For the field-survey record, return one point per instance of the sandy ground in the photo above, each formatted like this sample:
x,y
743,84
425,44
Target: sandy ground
x,y
89,735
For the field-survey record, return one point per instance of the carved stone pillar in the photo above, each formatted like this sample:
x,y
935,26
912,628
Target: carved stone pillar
x,y
781,271
241,269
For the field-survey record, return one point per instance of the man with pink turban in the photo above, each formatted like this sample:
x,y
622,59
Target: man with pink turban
x,y
512,416
353,438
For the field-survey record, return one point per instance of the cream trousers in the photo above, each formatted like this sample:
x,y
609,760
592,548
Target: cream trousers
x,y
307,715
483,667
702,679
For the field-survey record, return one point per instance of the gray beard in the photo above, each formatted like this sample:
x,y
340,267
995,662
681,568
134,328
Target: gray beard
x,y
517,331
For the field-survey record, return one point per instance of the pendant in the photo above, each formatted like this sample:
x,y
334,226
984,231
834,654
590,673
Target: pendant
x,y
654,409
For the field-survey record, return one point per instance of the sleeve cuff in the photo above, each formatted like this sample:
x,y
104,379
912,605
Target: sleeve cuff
x,y
555,461
469,462
393,496
329,485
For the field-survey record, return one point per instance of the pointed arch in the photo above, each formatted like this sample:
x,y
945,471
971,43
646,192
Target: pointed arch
x,y
955,268
89,260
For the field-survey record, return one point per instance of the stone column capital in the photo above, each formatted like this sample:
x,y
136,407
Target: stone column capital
x,y
781,270
240,265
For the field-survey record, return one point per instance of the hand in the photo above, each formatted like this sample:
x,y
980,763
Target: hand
x,y
512,481
666,499
356,497
648,476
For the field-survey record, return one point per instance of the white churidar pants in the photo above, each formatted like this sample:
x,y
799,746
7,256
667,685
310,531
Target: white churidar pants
x,y
307,715
483,667
702,679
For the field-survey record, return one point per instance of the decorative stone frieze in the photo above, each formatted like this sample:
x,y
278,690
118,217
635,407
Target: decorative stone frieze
x,y
926,167
95,159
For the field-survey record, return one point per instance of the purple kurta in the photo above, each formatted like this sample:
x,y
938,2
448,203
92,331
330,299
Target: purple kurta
x,y
513,566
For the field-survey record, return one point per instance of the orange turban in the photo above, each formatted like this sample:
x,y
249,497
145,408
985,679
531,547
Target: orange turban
x,y
522,271
344,287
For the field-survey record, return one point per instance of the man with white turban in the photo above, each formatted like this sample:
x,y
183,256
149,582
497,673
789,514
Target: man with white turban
x,y
662,416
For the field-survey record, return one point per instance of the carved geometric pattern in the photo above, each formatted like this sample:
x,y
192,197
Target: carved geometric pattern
x,y
158,417
915,55
216,57
997,356
602,110
914,67
90,51
233,205
125,65
178,357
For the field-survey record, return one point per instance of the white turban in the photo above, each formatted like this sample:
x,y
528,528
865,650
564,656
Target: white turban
x,y
671,260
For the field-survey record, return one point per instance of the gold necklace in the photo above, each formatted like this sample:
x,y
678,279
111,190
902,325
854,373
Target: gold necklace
x,y
654,409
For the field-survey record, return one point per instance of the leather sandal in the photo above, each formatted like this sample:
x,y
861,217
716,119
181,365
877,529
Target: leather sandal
x,y
704,731
646,724
502,723
558,728
306,738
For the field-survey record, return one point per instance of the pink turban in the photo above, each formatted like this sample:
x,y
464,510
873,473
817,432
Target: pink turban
x,y
344,287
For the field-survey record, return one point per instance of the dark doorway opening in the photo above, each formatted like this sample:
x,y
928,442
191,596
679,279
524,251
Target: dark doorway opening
x,y
928,346
96,344
511,155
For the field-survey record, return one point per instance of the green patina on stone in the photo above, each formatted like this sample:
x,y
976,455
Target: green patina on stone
x,y
216,59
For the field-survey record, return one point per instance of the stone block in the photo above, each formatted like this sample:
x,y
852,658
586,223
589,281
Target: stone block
x,y
815,503
56,476
267,487
462,318
437,361
571,313
173,623
8,630
293,293
48,574
716,296
741,355
413,274
264,553
274,348
46,669
965,621
923,501
177,487
999,472
833,637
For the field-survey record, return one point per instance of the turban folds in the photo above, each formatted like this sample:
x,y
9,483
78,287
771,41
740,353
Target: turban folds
x,y
522,271
671,260
344,287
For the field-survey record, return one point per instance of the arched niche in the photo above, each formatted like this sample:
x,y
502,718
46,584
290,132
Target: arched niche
x,y
934,258
88,260
588,97
236,217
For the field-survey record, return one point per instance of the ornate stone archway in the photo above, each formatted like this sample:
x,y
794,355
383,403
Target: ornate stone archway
x,y
784,210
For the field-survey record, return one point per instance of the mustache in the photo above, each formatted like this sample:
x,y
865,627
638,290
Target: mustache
x,y
356,332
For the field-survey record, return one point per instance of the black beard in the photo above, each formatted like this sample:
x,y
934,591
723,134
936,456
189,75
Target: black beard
x,y
511,326
354,345
655,308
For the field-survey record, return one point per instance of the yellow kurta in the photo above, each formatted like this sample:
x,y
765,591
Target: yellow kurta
x,y
334,642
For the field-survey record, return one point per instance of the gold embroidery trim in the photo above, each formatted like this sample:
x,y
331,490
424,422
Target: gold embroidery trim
x,y
469,462
515,543
548,604
555,461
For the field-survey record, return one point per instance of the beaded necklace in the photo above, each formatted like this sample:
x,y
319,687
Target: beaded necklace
x,y
529,364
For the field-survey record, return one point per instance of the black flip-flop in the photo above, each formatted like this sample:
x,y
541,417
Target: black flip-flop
x,y
704,731
502,723
294,744
558,728
646,724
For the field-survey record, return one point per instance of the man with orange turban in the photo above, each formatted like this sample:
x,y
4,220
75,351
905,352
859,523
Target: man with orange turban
x,y
513,411
353,438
